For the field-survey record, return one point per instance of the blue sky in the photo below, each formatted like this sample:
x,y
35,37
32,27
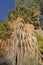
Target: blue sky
x,y
5,7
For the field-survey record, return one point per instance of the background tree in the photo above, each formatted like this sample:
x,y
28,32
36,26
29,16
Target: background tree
x,y
41,6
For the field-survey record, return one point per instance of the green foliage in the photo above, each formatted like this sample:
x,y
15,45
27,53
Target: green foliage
x,y
12,15
40,42
42,27
29,15
31,61
25,3
4,27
